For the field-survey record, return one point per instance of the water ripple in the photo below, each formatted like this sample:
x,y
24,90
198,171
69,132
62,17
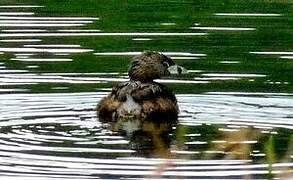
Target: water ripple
x,y
35,126
58,136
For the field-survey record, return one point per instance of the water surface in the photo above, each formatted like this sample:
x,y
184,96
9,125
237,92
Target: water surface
x,y
58,59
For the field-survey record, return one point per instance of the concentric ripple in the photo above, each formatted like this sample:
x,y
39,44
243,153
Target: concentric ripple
x,y
57,135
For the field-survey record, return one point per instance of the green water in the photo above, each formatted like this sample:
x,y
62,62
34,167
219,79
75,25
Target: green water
x,y
271,34
239,55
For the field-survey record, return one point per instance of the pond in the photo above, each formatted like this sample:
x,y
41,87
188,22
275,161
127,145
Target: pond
x,y
59,58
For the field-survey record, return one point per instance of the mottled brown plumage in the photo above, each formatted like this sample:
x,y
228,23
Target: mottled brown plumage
x,y
141,99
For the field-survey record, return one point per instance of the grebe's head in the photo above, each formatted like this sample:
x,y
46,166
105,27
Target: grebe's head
x,y
152,65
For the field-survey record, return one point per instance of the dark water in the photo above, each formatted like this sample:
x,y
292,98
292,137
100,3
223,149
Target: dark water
x,y
59,58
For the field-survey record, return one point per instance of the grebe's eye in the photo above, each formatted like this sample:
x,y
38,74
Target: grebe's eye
x,y
166,64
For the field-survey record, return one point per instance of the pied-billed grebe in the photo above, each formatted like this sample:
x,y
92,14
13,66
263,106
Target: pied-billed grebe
x,y
132,104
